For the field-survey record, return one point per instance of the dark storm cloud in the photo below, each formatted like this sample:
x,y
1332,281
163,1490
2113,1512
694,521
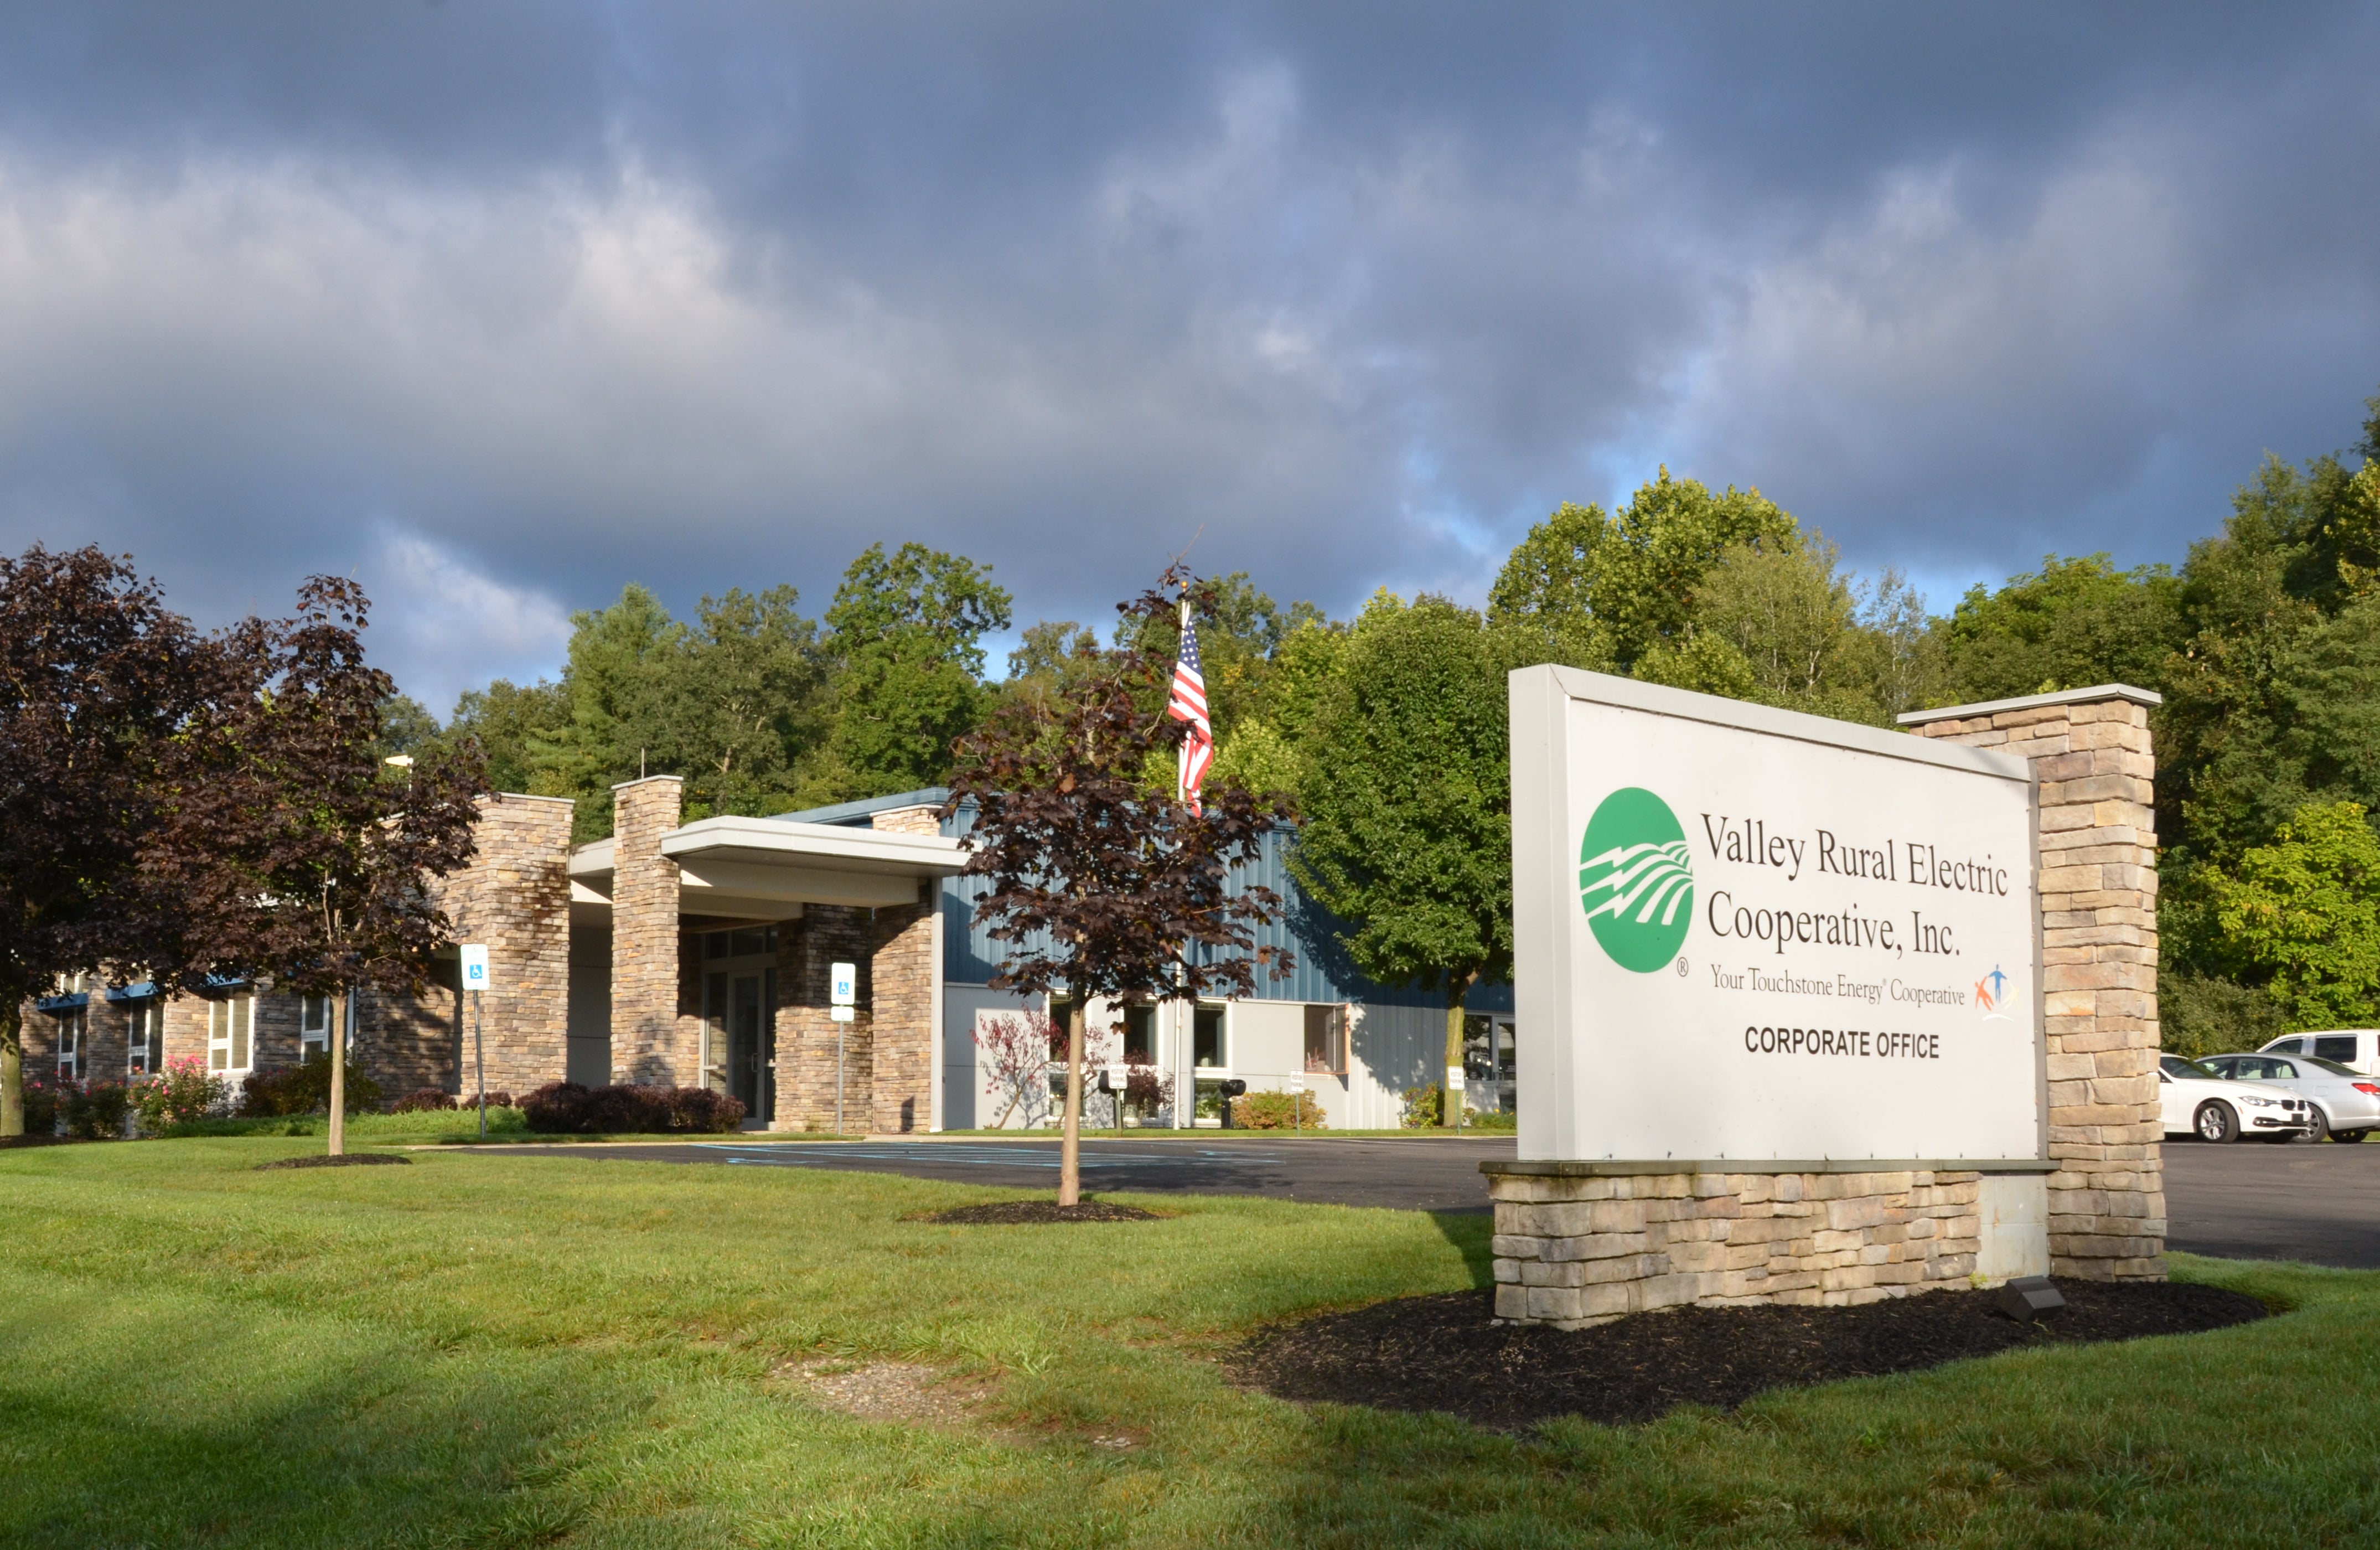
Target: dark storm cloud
x,y
507,304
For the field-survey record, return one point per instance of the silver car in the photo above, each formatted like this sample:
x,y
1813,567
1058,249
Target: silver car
x,y
2346,1103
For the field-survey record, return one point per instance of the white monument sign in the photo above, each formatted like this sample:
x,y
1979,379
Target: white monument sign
x,y
1750,935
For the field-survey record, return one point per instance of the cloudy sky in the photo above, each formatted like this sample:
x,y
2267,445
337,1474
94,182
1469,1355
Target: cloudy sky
x,y
501,304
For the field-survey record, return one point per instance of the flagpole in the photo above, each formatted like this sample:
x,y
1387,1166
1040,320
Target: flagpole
x,y
1185,1077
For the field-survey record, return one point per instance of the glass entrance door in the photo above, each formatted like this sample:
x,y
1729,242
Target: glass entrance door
x,y
742,1036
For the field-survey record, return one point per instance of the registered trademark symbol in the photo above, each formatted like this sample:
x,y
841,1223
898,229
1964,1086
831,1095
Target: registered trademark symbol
x,y
1682,968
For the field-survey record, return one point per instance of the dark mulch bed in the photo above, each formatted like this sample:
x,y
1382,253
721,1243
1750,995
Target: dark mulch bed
x,y
1446,1352
1014,1212
324,1160
7,1142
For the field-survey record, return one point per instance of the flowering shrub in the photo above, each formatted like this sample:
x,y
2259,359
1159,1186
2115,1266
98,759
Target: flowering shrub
x,y
183,1092
1018,1048
564,1107
95,1110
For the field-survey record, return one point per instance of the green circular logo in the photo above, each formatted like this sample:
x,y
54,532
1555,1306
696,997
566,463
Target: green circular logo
x,y
1636,880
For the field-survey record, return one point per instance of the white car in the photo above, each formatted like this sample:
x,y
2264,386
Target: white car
x,y
2357,1048
2345,1103
2198,1102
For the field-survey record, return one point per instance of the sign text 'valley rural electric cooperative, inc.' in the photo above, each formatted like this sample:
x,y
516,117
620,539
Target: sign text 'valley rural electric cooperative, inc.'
x,y
1827,931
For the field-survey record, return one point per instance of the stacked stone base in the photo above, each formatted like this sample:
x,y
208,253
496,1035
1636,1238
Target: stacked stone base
x,y
1573,1251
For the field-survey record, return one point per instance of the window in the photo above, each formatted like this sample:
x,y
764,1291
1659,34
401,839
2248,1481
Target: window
x,y
140,1031
2291,1046
74,1036
1140,1035
1326,1040
1206,1048
231,1024
743,942
313,1026
2334,1046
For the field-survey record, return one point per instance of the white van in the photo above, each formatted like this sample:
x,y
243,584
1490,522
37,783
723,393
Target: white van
x,y
2356,1048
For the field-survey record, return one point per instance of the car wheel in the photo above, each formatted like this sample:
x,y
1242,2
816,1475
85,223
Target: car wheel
x,y
2350,1135
2318,1126
2215,1122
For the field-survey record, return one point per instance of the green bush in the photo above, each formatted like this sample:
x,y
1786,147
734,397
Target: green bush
x,y
40,1107
1424,1105
1277,1111
304,1089
95,1110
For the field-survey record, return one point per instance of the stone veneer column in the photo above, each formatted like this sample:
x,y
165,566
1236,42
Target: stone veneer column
x,y
901,1011
2091,753
515,896
806,1033
652,1043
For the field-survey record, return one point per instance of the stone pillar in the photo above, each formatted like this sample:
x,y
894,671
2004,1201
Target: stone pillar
x,y
2090,754
808,1038
902,1010
515,896
908,821
655,1041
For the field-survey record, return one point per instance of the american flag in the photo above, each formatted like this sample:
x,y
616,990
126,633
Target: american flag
x,y
1189,704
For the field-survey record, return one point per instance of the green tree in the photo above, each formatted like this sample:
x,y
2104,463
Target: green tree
x,y
2071,623
1603,592
730,702
1407,802
2302,915
905,644
406,726
607,684
506,719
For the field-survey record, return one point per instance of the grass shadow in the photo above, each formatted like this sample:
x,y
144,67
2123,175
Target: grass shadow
x,y
1469,1232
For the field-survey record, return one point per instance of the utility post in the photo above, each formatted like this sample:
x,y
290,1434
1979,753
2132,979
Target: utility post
x,y
475,979
843,991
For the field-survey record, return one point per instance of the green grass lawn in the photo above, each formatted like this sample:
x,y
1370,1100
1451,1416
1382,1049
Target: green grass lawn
x,y
492,1350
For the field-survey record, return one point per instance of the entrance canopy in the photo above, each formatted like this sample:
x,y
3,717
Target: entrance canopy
x,y
767,868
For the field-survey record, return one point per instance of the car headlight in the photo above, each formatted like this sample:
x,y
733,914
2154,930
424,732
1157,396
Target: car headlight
x,y
2262,1102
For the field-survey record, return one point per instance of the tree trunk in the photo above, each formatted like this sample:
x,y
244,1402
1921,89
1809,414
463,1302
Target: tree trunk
x,y
1450,1107
339,1074
1070,1150
12,1067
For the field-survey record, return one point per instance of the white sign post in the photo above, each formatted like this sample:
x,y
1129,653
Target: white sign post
x,y
1747,935
843,988
475,979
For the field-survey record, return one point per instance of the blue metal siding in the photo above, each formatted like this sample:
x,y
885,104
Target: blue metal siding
x,y
1307,931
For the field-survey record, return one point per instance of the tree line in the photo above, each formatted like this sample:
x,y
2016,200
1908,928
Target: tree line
x,y
1384,732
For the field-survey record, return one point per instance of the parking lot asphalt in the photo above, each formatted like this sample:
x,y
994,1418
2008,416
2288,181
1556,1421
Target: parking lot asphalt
x,y
2317,1204
1422,1174
2259,1202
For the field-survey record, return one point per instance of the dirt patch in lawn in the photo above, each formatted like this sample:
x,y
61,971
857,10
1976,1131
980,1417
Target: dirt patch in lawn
x,y
343,1160
904,1391
1017,1213
1447,1352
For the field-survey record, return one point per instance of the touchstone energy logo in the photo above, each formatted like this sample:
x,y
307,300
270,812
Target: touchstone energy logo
x,y
1989,990
1636,880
